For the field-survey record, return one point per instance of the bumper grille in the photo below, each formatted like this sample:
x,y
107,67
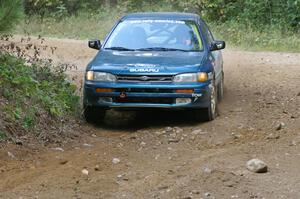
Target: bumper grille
x,y
149,100
144,90
145,78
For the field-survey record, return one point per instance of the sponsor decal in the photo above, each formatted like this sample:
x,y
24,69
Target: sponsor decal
x,y
144,70
142,65
145,54
196,95
157,21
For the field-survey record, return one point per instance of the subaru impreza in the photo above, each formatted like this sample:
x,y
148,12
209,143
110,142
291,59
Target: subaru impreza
x,y
155,60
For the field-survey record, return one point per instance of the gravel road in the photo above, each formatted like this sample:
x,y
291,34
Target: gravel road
x,y
157,154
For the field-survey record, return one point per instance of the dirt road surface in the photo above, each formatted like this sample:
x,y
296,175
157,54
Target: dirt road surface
x,y
166,155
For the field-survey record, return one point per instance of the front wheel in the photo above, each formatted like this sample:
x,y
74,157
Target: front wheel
x,y
221,88
93,114
209,113
211,110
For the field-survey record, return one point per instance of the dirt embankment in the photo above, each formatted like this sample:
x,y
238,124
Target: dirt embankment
x,y
164,154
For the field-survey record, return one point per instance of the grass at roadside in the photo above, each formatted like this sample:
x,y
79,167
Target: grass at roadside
x,y
236,35
267,38
240,36
32,97
89,25
83,26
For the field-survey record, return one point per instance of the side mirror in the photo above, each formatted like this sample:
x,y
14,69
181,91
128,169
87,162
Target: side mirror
x,y
95,44
217,45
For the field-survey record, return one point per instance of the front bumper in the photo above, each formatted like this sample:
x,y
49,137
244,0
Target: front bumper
x,y
146,95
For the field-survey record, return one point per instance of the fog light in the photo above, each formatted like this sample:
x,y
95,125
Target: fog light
x,y
184,90
202,77
104,90
105,100
89,75
183,100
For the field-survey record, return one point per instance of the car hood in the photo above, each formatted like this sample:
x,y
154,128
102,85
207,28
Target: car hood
x,y
145,62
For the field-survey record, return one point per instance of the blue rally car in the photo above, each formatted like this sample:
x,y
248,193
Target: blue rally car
x,y
155,60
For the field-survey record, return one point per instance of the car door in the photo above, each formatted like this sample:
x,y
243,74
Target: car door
x,y
214,56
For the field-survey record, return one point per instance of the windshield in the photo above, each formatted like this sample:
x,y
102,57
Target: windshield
x,y
165,35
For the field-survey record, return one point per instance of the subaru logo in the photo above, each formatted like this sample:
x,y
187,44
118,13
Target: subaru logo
x,y
144,78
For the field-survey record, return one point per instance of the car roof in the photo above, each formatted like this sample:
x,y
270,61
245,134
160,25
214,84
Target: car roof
x,y
162,15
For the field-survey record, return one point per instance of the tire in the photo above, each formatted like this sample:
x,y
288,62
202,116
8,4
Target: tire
x,y
209,113
211,110
93,114
221,88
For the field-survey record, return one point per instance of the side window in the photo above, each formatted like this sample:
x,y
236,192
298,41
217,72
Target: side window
x,y
209,37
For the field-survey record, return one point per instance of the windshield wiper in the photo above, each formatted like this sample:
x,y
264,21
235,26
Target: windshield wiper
x,y
161,49
119,48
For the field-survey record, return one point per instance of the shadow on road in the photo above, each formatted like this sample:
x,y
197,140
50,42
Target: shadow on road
x,y
135,120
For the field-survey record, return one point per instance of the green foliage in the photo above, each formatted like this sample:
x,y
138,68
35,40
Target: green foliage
x,y
235,33
10,13
34,92
254,12
62,8
56,8
268,37
252,24
270,12
141,5
3,135
83,26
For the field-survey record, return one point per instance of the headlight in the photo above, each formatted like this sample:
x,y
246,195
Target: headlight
x,y
100,76
191,77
